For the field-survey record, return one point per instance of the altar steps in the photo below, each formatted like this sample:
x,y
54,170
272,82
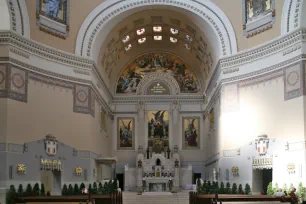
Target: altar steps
x,y
175,198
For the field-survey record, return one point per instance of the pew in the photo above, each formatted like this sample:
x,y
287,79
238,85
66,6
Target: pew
x,y
88,199
194,198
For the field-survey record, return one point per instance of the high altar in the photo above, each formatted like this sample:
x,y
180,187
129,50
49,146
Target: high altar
x,y
157,171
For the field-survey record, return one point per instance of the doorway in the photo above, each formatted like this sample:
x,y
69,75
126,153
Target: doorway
x,y
196,176
52,181
57,183
261,180
120,178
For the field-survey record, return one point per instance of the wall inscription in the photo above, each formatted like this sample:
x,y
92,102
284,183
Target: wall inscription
x,y
158,88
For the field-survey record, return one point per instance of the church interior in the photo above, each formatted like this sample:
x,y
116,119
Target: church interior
x,y
157,95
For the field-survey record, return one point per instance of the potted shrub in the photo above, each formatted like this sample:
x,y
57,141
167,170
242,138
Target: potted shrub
x,y
42,190
247,189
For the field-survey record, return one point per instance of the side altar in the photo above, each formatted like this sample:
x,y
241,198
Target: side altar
x,y
157,171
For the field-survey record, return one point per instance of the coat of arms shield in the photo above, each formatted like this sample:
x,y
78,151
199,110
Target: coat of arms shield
x,y
51,145
262,144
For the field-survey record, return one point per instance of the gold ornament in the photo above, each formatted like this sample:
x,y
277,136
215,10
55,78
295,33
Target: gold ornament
x,y
78,171
235,170
21,169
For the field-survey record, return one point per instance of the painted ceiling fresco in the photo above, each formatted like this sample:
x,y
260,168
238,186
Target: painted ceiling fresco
x,y
146,64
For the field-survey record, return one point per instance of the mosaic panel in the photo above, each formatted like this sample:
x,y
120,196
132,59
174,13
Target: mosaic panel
x,y
230,98
18,84
293,81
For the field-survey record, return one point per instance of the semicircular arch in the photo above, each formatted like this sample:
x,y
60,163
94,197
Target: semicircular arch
x,y
101,20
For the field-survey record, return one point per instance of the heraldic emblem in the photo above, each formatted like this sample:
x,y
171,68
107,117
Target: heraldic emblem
x,y
262,144
51,145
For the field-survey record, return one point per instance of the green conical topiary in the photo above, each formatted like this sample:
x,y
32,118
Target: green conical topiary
x,y
228,189
82,187
70,190
247,189
208,187
76,190
115,183
105,189
20,190
94,189
234,188
275,189
100,189
65,190
240,190
36,190
42,190
199,185
290,188
222,189
285,188
270,189
89,189
10,195
29,190
301,192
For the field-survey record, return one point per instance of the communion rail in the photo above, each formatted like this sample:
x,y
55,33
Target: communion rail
x,y
94,199
194,198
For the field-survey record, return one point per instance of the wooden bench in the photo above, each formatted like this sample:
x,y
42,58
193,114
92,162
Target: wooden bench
x,y
90,199
194,198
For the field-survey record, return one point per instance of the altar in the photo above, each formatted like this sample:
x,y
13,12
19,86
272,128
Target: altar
x,y
157,171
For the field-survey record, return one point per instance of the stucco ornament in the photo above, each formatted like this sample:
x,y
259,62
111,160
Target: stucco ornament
x,y
78,171
51,145
21,169
262,144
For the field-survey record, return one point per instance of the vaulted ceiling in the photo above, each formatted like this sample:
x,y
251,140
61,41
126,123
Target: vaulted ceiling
x,y
123,44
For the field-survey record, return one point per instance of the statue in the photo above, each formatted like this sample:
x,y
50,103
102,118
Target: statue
x,y
176,163
170,184
143,185
139,164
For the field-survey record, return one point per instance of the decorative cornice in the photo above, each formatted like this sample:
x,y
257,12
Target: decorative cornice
x,y
264,50
55,79
81,71
258,73
22,45
20,53
156,99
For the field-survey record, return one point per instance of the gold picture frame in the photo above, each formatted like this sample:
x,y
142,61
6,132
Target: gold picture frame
x,y
125,133
191,133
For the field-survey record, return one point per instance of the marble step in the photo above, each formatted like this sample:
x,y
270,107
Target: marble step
x,y
177,198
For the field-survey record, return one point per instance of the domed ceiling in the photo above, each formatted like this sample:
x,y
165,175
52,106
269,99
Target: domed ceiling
x,y
166,34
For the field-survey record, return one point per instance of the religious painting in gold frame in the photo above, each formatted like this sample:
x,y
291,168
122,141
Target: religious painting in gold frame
x,y
56,10
125,133
158,130
191,132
